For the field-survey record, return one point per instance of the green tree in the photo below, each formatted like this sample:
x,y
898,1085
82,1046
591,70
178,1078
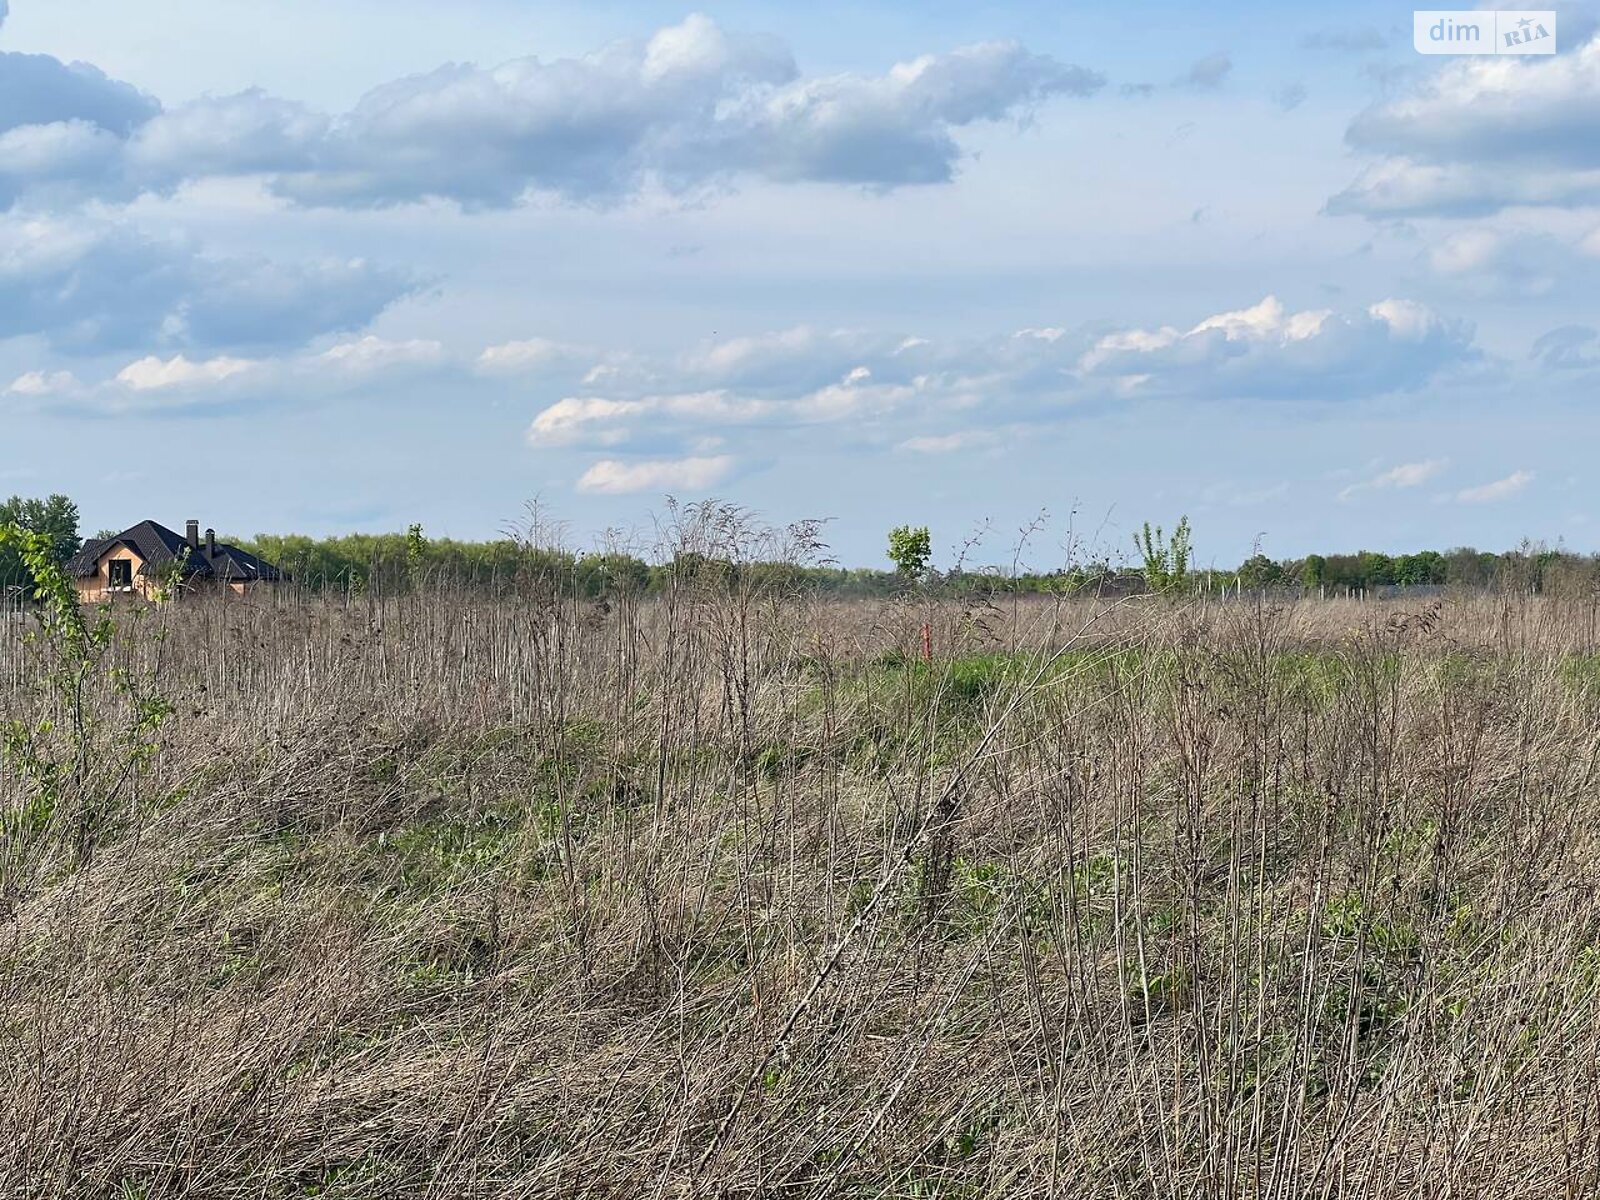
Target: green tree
x,y
911,550
1313,571
1427,566
1259,573
1377,570
1166,560
416,553
55,519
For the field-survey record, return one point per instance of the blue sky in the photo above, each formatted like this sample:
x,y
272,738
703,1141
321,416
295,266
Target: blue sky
x,y
323,268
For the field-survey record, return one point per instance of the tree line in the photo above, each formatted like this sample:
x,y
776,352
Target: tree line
x,y
391,562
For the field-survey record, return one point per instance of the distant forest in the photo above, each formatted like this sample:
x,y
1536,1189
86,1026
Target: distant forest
x,y
390,562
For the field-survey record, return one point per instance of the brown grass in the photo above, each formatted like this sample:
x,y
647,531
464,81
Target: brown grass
x,y
713,894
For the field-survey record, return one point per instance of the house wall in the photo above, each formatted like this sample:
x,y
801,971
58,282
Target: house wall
x,y
96,587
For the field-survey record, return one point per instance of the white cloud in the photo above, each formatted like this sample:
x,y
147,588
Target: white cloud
x,y
1483,133
36,89
530,355
368,354
1267,322
690,106
1268,351
44,383
598,420
884,385
692,474
1399,187
1406,475
566,421
1500,489
1470,250
1492,262
792,379
225,135
153,374
89,284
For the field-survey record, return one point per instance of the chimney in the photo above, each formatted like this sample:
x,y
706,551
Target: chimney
x,y
194,535
211,543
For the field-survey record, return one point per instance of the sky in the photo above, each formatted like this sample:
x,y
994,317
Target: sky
x,y
324,268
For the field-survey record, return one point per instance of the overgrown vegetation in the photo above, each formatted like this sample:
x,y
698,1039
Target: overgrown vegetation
x,y
717,888
356,564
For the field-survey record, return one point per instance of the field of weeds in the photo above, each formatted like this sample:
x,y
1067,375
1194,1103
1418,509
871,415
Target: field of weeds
x,y
730,892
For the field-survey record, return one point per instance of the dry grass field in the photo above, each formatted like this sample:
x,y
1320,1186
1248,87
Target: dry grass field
x,y
727,892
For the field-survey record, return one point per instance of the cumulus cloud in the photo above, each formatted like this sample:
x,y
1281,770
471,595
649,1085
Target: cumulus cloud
x,y
1481,134
1492,262
369,354
802,358
659,475
569,420
63,127
1267,351
1406,475
182,382
889,388
529,356
42,383
692,105
247,133
877,383
36,89
1400,187
1500,489
91,285
153,374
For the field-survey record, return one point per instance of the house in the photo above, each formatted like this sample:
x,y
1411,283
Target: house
x,y
153,561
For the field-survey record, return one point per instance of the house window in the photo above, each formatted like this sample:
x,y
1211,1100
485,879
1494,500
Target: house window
x,y
121,570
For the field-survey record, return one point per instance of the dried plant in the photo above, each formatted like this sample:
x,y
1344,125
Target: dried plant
x,y
725,891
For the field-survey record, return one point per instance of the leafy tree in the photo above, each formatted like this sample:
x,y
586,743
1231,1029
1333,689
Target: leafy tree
x,y
77,754
1377,570
416,552
910,549
1166,560
1425,567
1475,568
55,519
1259,573
1313,571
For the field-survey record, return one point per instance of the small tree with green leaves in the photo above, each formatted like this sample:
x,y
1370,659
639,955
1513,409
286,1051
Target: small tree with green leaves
x,y
416,553
1313,572
1258,573
70,753
1166,560
911,550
